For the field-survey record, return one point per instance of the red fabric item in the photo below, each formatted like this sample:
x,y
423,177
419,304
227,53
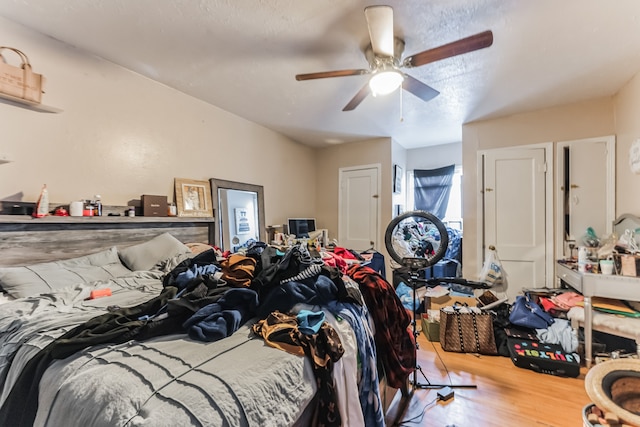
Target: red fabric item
x,y
333,260
395,343
344,253
548,305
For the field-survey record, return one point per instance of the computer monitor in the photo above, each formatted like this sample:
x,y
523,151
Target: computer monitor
x,y
301,227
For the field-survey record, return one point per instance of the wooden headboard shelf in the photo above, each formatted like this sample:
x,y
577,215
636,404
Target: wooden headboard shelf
x,y
27,240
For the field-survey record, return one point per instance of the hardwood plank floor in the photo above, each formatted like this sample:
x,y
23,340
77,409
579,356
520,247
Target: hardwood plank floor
x,y
505,395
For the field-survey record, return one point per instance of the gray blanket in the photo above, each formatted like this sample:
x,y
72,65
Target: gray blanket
x,y
174,381
28,324
238,381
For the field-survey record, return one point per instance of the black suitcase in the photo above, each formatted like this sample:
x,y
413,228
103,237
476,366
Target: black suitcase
x,y
544,358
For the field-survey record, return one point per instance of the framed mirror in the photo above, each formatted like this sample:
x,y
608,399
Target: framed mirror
x,y
586,196
238,213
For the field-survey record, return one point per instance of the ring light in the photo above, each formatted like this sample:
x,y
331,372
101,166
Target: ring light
x,y
416,239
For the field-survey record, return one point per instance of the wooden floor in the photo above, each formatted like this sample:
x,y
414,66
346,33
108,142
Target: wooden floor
x,y
505,395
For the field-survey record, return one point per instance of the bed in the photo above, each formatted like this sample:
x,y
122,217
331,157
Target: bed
x,y
171,378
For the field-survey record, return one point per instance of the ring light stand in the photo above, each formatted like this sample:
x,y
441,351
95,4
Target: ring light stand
x,y
417,240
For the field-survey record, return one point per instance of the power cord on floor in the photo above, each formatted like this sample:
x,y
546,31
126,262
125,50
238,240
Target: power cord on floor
x,y
444,395
418,418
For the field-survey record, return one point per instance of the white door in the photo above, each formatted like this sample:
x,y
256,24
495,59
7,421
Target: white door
x,y
514,215
359,206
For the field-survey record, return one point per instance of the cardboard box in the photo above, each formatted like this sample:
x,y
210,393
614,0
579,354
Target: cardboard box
x,y
434,304
626,264
431,330
154,205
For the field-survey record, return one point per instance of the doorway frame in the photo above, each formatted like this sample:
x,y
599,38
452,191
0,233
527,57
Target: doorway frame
x,y
610,186
549,206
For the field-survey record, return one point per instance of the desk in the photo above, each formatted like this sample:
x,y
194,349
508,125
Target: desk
x,y
597,285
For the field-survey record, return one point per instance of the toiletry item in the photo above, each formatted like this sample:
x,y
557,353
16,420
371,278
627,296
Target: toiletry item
x,y
97,205
582,259
42,207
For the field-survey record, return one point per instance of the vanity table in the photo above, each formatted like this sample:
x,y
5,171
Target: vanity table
x,y
596,285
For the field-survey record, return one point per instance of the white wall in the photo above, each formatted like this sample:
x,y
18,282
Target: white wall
x,y
122,135
434,157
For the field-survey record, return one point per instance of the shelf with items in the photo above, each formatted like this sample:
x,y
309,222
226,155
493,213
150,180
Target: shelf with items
x,y
19,102
106,219
32,240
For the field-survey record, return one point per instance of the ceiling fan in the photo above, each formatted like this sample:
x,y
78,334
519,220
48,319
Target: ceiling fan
x,y
384,57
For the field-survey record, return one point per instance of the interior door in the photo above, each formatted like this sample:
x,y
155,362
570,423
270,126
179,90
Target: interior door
x,y
359,206
514,215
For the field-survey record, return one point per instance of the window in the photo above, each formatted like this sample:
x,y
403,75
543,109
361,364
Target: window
x,y
453,217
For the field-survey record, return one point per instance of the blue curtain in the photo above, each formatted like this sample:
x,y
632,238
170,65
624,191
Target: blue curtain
x,y
432,188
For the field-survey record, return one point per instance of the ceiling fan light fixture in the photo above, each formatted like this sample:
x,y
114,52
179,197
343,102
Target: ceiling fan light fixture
x,y
385,81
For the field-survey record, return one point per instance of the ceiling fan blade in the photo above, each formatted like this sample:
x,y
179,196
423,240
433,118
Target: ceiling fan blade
x,y
419,89
380,23
356,100
325,74
468,44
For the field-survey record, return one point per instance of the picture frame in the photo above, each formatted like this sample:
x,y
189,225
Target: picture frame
x,y
243,221
193,198
397,179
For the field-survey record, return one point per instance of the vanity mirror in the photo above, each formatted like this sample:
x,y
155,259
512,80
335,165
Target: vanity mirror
x,y
239,213
586,196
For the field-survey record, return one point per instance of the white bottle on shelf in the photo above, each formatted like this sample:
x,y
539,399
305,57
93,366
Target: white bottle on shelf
x,y
582,259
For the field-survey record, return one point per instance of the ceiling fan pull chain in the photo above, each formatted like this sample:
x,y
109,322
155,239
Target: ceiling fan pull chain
x,y
401,112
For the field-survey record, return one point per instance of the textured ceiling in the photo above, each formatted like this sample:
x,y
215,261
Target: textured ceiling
x,y
243,55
